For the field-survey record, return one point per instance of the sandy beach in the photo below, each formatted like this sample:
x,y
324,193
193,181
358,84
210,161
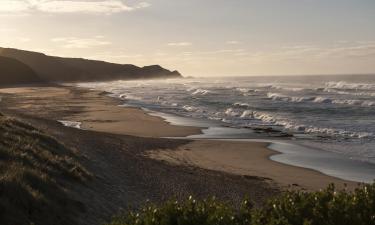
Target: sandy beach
x,y
98,112
95,111
123,175
247,159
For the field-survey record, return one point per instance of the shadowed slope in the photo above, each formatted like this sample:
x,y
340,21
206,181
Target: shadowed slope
x,y
13,71
34,172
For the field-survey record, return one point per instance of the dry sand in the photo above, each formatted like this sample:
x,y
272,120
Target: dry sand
x,y
98,112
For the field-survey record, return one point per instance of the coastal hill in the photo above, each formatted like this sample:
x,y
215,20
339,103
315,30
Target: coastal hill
x,y
58,69
13,72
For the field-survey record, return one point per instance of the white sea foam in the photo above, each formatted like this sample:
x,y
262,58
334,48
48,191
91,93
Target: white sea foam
x,y
320,99
200,92
294,89
241,104
353,93
347,85
72,124
281,97
190,108
247,114
232,112
246,90
292,125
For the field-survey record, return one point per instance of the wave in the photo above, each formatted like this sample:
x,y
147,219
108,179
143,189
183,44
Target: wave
x,y
247,114
356,93
355,102
308,129
338,132
240,104
232,112
246,90
293,89
346,85
200,92
190,108
281,97
320,99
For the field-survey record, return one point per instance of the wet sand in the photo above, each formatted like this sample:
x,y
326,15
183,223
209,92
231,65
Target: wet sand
x,y
247,159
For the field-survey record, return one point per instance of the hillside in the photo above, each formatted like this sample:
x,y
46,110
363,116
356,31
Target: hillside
x,y
13,71
35,172
55,69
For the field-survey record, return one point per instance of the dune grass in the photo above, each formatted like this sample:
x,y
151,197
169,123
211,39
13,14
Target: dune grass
x,y
326,207
34,172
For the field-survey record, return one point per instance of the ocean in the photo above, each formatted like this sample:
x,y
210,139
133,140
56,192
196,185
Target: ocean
x,y
328,113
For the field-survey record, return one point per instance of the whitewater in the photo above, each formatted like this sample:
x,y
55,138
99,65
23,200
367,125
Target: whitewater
x,y
332,113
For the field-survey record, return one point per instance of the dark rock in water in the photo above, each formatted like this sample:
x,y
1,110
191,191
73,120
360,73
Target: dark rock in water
x,y
266,130
271,132
285,135
14,72
58,69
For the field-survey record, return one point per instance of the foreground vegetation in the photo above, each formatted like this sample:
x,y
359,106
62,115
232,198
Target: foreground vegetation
x,y
326,207
35,171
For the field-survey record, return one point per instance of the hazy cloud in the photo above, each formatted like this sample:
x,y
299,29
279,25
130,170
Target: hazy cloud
x,y
180,44
68,6
233,42
73,42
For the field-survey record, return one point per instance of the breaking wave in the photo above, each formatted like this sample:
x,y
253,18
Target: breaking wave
x,y
320,99
200,92
347,85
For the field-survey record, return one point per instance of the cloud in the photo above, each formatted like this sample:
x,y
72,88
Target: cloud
x,y
73,42
69,6
180,44
233,42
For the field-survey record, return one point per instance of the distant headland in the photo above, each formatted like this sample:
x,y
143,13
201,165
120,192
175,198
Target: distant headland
x,y
37,67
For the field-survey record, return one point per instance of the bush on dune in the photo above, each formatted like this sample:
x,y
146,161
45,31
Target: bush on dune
x,y
34,168
326,207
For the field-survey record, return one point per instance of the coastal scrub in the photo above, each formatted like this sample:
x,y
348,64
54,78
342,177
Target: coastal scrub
x,y
326,207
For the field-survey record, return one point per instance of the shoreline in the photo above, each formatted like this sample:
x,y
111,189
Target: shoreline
x,y
248,159
287,152
102,113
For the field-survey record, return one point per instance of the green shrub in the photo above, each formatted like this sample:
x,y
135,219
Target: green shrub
x,y
326,207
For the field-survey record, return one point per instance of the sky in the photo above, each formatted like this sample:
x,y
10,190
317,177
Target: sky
x,y
201,37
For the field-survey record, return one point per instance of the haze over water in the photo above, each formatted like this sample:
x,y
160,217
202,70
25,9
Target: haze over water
x,y
333,113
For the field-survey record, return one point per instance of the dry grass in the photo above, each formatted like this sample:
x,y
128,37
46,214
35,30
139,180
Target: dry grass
x,y
35,170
